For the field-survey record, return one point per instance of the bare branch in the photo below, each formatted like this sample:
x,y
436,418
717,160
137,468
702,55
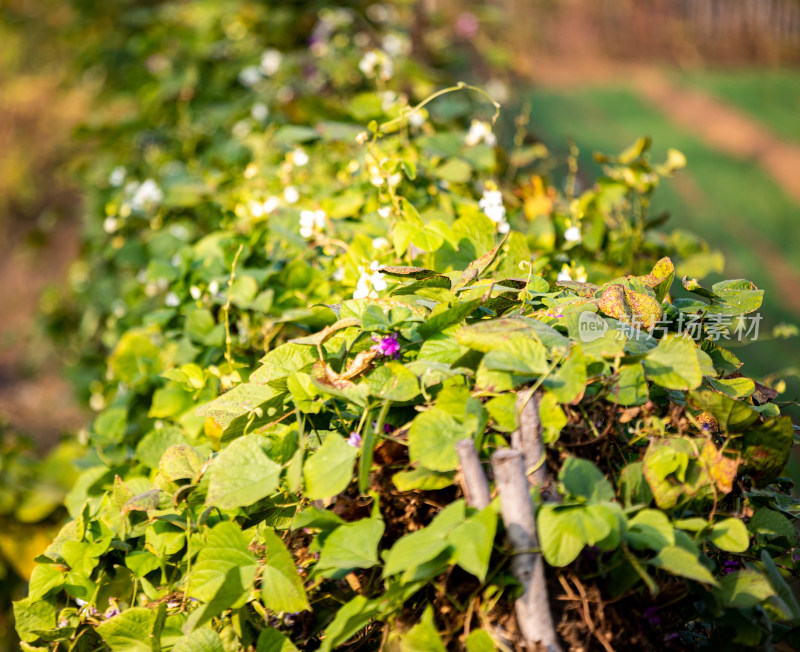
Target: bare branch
x,y
532,607
476,486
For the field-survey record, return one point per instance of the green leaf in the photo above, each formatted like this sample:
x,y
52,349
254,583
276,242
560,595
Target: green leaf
x,y
438,321
281,587
241,474
565,529
479,640
633,488
744,589
422,546
472,542
732,415
129,631
44,579
674,364
154,444
679,561
401,386
503,411
180,462
32,616
432,439
569,380
630,387
582,478
201,640
135,358
454,170
781,587
422,479
271,640
330,469
769,523
552,417
730,535
351,546
246,406
222,575
423,637
349,620
650,529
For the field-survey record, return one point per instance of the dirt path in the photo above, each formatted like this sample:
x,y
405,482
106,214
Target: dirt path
x,y
35,400
711,121
724,128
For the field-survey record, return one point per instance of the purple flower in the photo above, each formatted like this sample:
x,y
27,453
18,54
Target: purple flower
x,y
651,616
387,346
354,439
729,566
113,609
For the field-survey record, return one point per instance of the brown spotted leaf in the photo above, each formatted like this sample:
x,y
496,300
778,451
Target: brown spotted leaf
x,y
634,308
721,468
407,272
765,449
586,290
660,279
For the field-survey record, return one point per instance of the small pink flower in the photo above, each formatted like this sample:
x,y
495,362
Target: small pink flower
x,y
354,439
387,346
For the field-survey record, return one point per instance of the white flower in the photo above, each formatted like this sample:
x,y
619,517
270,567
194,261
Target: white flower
x,y
117,176
492,206
110,224
172,300
146,195
572,234
416,119
291,195
480,131
213,287
362,137
270,204
241,128
270,62
396,45
196,292
370,283
249,76
395,179
385,211
299,157
260,111
256,208
338,274
312,222
376,63
380,243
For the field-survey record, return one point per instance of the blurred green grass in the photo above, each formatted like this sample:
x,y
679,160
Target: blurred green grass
x,y
771,97
734,204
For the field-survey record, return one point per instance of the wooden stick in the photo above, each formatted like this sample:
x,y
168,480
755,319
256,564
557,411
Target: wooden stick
x,y
476,486
528,436
532,607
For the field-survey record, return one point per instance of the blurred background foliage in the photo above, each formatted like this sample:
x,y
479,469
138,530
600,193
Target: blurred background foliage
x,y
717,79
